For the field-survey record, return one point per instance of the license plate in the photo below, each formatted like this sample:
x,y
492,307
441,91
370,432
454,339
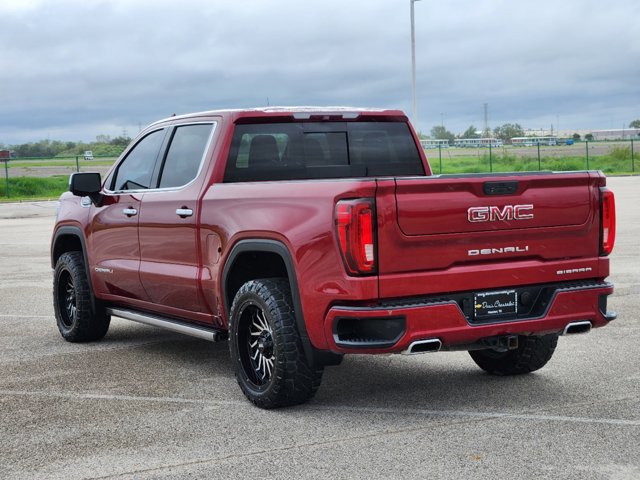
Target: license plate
x,y
489,305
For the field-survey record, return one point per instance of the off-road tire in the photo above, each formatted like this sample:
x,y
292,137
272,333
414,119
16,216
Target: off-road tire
x,y
532,354
266,351
76,319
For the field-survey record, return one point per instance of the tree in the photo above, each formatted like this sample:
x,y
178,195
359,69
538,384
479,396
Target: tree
x,y
635,124
507,131
576,137
470,132
589,137
440,132
122,141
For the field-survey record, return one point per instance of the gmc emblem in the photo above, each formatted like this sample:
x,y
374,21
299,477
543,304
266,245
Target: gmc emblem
x,y
494,213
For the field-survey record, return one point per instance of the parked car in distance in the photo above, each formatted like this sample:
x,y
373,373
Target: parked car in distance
x,y
88,155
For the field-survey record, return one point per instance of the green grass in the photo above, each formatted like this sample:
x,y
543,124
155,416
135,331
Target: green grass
x,y
32,188
67,162
612,164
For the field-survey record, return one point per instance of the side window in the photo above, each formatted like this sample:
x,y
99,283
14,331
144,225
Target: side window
x,y
135,171
185,155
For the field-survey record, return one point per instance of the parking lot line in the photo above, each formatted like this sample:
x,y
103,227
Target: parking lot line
x,y
376,410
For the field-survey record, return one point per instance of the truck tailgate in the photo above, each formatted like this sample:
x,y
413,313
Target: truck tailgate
x,y
484,223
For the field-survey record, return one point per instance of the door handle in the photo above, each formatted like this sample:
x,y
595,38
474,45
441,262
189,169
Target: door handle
x,y
184,212
130,212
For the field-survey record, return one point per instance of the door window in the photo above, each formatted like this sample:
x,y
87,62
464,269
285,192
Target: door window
x,y
187,149
136,170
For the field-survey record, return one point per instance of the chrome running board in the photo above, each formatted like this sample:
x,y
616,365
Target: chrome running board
x,y
204,333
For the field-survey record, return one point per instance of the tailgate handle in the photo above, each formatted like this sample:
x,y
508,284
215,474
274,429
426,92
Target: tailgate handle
x,y
500,188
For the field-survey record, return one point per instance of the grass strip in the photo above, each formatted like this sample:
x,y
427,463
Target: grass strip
x,y
33,188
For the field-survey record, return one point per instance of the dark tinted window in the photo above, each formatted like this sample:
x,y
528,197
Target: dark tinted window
x,y
135,171
281,151
185,155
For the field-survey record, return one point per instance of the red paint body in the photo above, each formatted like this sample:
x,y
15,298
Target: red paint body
x,y
425,243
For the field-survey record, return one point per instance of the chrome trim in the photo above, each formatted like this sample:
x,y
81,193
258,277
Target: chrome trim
x,y
430,342
579,326
184,212
167,324
129,212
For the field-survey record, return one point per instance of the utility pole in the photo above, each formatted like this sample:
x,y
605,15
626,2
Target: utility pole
x,y
414,118
487,132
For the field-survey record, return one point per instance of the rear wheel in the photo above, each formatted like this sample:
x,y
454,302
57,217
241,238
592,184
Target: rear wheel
x,y
76,319
532,354
266,350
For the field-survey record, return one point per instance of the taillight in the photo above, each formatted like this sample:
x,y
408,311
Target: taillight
x,y
355,229
607,221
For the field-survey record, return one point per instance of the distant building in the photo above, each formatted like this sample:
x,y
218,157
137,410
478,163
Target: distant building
x,y
616,134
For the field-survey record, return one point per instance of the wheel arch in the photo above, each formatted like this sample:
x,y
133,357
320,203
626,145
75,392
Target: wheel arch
x,y
67,239
71,239
237,271
278,262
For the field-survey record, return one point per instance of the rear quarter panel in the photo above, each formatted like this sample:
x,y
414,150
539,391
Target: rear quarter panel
x,y
300,214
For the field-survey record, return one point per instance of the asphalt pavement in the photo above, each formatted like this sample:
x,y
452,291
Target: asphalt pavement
x,y
144,403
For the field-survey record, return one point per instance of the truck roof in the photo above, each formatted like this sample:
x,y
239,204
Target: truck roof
x,y
300,112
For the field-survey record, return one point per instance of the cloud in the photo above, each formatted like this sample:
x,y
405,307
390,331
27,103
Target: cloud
x,y
76,69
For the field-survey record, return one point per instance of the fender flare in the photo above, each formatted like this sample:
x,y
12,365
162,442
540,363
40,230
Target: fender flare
x,y
280,249
73,231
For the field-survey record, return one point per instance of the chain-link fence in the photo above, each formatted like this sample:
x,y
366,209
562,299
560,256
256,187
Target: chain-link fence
x,y
611,157
45,177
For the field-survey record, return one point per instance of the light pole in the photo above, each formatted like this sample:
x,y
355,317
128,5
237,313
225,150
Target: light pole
x,y
413,65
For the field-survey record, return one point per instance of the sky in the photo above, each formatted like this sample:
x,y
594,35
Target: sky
x,y
72,70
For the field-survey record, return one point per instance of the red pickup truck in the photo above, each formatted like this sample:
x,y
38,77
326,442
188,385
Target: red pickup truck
x,y
302,234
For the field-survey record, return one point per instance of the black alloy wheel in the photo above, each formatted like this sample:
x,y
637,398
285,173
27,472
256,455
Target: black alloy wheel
x,y
257,346
266,350
80,317
67,299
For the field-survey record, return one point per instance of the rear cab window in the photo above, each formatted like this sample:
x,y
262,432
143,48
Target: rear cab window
x,y
307,150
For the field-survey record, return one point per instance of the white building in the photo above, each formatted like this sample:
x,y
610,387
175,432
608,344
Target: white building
x,y
616,134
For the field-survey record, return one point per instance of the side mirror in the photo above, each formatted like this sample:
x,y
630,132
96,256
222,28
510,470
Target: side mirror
x,y
86,185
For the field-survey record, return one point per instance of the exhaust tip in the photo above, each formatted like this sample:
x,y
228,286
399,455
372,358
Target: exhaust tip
x,y
423,346
577,327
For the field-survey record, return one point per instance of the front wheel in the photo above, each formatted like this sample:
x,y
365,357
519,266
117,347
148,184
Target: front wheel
x,y
266,350
532,354
72,302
